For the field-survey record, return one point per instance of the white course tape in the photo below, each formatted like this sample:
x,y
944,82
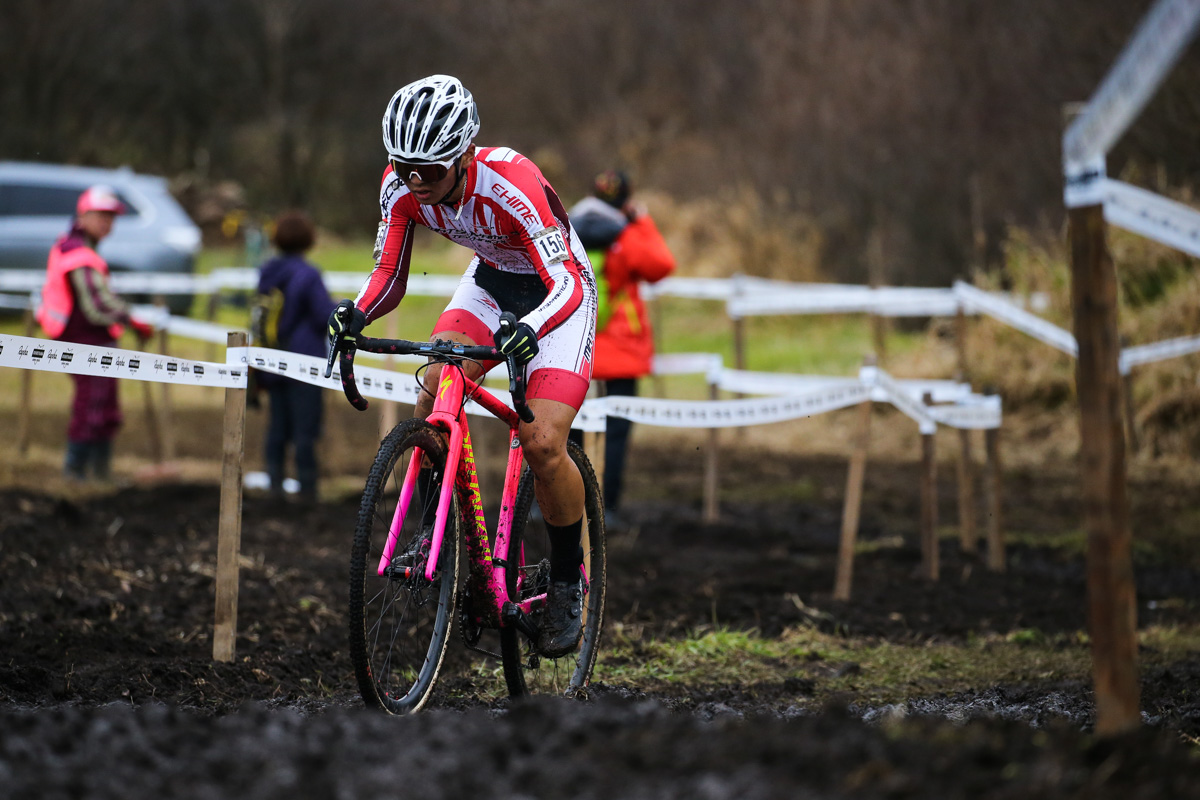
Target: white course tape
x,y
732,413
973,413
22,280
775,383
81,359
18,301
884,301
707,364
1153,216
888,389
981,302
1147,58
1158,351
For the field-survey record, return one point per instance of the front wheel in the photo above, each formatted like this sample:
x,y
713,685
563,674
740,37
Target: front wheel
x,y
400,620
528,577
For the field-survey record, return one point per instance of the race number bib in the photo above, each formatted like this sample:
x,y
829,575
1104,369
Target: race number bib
x,y
549,242
380,236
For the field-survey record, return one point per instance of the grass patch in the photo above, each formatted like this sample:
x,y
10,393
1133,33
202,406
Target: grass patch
x,y
1072,544
868,671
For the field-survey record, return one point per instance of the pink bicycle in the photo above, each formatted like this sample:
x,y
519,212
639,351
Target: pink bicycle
x,y
421,501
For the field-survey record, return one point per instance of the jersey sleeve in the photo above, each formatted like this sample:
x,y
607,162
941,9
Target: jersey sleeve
x,y
386,285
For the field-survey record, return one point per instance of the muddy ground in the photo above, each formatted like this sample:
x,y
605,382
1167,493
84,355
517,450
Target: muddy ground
x,y
107,688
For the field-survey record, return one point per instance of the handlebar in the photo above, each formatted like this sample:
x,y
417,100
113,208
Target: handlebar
x,y
343,349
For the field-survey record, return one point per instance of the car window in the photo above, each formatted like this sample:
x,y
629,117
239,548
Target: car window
x,y
24,200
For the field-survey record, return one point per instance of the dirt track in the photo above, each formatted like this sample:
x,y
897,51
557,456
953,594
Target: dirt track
x,y
107,688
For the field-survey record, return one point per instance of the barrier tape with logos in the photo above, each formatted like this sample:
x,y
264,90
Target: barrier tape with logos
x,y
788,396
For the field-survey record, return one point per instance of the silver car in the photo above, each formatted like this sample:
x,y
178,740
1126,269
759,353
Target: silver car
x,y
37,202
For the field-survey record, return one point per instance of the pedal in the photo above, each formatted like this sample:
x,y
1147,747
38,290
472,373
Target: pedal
x,y
512,615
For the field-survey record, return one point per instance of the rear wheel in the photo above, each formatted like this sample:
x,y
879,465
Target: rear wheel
x,y
525,670
400,621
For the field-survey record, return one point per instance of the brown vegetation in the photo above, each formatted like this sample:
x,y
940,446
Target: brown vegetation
x,y
934,123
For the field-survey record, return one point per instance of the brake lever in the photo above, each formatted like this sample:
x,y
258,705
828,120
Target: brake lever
x,y
335,343
336,340
516,376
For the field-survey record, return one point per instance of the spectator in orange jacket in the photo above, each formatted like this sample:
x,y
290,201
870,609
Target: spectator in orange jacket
x,y
626,249
77,306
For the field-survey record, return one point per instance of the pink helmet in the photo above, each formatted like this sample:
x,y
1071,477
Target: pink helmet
x,y
99,198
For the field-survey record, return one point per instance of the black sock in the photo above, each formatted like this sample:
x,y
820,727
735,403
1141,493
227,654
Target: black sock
x,y
566,551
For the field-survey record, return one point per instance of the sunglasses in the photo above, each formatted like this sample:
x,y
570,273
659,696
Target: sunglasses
x,y
425,173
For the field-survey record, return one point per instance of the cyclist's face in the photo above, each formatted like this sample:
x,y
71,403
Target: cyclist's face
x,y
429,183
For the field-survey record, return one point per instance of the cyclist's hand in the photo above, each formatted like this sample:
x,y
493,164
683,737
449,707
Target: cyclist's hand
x,y
346,322
521,343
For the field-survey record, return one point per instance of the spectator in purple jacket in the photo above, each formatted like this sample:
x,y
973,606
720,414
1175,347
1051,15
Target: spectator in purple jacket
x,y
295,407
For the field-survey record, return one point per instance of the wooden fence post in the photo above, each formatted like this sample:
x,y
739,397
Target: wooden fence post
x,y
712,507
229,530
960,345
852,505
166,430
929,544
739,343
23,412
1112,604
996,560
968,536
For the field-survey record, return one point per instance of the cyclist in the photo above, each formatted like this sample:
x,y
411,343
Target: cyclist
x,y
529,261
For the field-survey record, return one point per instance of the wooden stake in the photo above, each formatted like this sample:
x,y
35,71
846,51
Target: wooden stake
x,y
593,445
996,560
739,343
968,536
960,345
229,530
166,431
853,502
712,510
153,422
656,327
1112,604
929,544
23,412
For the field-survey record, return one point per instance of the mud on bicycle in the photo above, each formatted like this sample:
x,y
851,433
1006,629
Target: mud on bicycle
x,y
422,508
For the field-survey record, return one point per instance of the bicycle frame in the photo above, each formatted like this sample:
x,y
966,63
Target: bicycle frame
x,y
487,565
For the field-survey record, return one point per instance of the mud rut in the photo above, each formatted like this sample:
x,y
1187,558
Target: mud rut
x,y
107,688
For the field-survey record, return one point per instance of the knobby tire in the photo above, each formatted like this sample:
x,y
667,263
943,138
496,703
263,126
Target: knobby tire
x,y
399,627
525,672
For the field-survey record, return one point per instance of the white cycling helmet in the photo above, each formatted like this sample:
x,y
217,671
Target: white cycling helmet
x,y
431,121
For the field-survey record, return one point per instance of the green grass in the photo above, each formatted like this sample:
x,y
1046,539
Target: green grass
x,y
806,344
870,671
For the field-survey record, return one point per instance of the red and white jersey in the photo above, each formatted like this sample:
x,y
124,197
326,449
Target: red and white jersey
x,y
509,215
